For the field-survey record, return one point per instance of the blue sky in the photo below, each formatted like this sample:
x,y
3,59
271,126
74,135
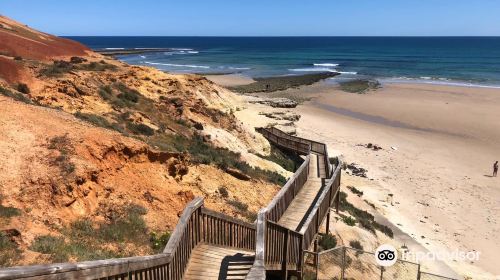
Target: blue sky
x,y
259,17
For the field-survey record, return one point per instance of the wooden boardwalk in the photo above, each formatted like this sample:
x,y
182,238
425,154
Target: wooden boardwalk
x,y
216,262
295,214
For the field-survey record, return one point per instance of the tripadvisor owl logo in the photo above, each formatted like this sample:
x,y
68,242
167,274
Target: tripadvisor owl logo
x,y
386,255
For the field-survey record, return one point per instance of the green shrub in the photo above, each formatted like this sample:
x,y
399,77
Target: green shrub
x,y
85,241
348,220
371,204
128,227
81,229
223,158
131,96
58,68
93,119
223,192
106,92
48,244
140,128
18,58
365,219
9,252
77,60
355,191
243,209
16,96
238,205
384,229
60,250
8,212
327,241
99,121
95,66
159,240
356,245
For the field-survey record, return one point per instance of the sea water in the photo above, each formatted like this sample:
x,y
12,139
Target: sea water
x,y
468,61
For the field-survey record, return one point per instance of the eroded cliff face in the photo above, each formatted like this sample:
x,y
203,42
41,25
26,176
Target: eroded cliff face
x,y
98,136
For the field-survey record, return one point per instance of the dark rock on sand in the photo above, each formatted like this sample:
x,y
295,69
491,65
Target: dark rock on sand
x,y
271,84
287,116
276,102
356,171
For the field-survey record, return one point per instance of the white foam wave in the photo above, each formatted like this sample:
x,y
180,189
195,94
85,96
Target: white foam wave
x,y
326,64
111,49
240,68
193,52
178,65
149,48
316,69
142,56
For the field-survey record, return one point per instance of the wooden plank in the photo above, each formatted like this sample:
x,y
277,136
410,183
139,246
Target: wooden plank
x,y
215,262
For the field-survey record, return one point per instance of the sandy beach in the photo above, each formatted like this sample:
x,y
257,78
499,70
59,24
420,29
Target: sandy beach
x,y
439,145
230,80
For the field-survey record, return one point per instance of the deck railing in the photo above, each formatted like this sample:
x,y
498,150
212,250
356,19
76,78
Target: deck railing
x,y
196,225
279,248
284,197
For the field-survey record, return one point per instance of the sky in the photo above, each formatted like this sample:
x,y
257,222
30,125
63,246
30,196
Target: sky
x,y
258,17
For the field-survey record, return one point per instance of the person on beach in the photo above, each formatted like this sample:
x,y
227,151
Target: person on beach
x,y
495,169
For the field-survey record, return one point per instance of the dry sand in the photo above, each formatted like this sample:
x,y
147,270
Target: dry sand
x,y
230,80
445,140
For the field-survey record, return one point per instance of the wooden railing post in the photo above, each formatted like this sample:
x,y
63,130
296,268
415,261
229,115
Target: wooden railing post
x,y
328,222
284,264
301,256
337,202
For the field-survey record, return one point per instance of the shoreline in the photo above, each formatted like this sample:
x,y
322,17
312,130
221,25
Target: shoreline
x,y
227,78
437,174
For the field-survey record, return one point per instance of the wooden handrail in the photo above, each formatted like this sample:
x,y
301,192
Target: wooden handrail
x,y
85,270
282,199
319,210
222,230
281,248
176,236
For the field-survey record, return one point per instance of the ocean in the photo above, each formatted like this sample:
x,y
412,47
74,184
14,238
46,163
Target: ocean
x,y
468,61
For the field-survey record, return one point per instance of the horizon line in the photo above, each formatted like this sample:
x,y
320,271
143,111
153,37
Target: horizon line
x,y
295,36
